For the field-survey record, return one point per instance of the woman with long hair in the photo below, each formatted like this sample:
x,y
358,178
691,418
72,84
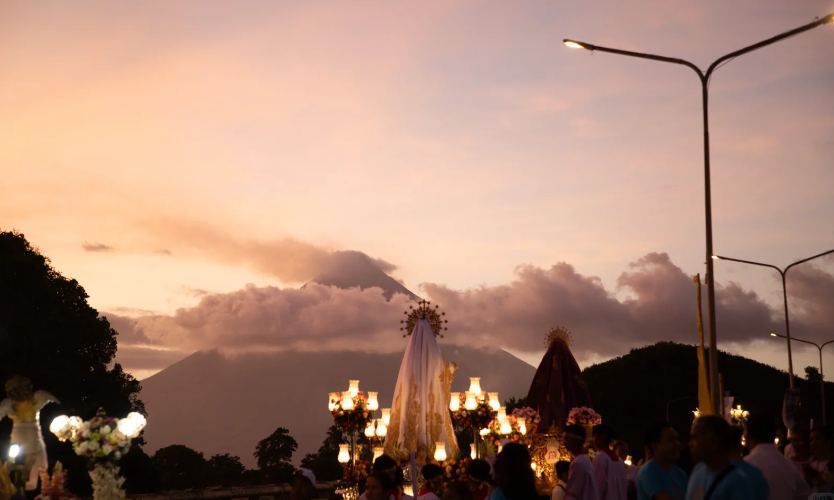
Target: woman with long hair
x,y
514,478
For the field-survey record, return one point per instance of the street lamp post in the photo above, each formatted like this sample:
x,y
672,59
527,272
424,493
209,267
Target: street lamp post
x,y
782,272
704,77
822,378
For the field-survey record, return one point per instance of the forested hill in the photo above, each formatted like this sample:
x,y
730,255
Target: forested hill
x,y
632,391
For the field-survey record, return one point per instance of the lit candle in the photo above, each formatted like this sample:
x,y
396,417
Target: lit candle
x,y
440,451
502,414
354,388
475,385
334,398
344,453
522,427
494,402
386,415
484,432
473,452
373,404
408,490
347,401
369,430
381,428
377,452
505,427
471,403
454,402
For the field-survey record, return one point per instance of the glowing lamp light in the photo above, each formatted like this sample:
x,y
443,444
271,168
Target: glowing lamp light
x,y
60,424
533,465
522,427
471,403
408,490
378,450
373,403
369,430
494,403
574,45
386,415
697,413
500,447
128,428
627,461
473,452
440,451
506,428
454,402
381,428
14,451
332,399
139,419
776,441
502,414
344,453
354,388
484,432
475,385
347,401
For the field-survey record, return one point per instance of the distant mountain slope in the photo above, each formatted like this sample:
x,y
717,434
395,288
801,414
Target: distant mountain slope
x,y
632,392
356,269
216,404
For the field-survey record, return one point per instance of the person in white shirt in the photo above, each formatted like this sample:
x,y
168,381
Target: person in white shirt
x,y
562,469
581,484
609,470
784,481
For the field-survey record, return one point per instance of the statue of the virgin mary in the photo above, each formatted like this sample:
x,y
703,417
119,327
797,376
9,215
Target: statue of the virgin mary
x,y
420,414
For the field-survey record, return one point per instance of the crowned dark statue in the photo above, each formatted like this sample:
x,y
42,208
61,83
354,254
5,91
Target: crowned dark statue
x,y
558,385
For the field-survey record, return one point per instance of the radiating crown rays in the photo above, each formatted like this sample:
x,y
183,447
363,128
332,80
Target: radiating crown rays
x,y
424,311
558,333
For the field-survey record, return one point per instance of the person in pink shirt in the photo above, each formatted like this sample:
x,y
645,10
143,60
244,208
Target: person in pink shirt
x,y
609,470
581,484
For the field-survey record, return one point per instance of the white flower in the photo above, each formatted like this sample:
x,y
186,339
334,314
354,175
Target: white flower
x,y
104,431
92,445
86,433
117,455
107,449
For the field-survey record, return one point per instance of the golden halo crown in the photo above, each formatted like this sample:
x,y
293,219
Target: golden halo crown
x,y
424,311
558,333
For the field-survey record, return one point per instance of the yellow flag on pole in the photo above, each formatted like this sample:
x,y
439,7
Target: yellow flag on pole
x,y
705,406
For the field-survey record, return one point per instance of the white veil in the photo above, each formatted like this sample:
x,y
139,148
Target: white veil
x,y
420,413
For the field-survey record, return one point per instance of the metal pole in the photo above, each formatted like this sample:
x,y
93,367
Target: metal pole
x,y
822,389
788,329
477,444
713,342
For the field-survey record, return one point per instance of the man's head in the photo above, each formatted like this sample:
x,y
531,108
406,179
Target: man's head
x,y
820,441
734,447
710,438
574,438
602,436
432,475
385,464
662,443
801,446
303,485
621,449
478,471
761,429
562,468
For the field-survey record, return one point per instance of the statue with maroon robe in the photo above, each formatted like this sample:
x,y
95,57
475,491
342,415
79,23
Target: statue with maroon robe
x,y
558,385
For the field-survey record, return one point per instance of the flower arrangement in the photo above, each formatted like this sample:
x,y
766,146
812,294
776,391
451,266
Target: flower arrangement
x,y
479,418
495,436
354,420
53,488
584,416
355,474
100,442
456,469
530,416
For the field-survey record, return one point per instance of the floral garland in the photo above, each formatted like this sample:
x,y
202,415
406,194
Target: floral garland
x,y
530,416
479,418
496,437
99,441
355,420
107,484
456,469
584,416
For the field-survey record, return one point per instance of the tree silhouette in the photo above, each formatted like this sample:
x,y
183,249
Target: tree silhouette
x,y
812,374
180,467
225,470
274,454
513,404
325,463
49,333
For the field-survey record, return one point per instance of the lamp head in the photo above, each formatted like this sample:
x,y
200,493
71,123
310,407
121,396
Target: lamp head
x,y
14,451
716,257
827,19
773,335
574,44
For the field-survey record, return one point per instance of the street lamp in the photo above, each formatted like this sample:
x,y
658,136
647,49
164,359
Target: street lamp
x,y
782,272
704,77
822,379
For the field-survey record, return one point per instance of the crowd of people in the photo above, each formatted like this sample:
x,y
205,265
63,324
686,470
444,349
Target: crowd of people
x,y
731,463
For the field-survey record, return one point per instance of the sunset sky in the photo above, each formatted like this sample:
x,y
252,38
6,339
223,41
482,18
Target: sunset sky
x,y
168,154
